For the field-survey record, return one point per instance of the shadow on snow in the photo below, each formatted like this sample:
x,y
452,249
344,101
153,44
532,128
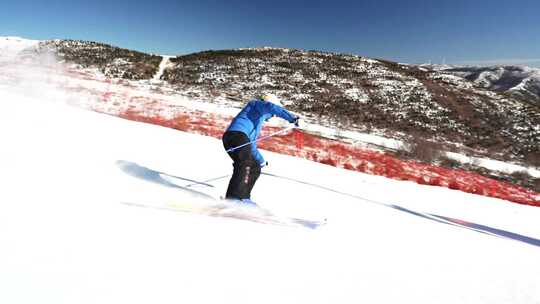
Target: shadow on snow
x,y
152,176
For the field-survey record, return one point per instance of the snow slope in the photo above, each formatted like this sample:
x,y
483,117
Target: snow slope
x,y
68,236
11,46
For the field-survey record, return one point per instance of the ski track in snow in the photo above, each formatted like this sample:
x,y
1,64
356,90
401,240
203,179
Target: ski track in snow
x,y
68,237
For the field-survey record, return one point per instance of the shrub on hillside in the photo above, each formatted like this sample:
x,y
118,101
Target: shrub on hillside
x,y
421,150
449,162
525,179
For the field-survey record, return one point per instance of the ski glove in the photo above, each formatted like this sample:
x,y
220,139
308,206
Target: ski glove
x,y
296,121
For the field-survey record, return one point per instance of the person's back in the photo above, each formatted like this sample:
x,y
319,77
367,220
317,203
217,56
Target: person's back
x,y
245,129
254,114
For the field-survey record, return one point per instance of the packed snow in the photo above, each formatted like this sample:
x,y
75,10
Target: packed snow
x,y
73,231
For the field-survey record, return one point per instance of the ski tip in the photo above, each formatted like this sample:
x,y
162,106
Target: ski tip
x,y
311,224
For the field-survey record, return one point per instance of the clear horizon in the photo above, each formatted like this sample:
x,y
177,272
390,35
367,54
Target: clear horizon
x,y
458,32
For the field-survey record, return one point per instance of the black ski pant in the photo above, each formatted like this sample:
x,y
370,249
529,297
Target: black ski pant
x,y
246,169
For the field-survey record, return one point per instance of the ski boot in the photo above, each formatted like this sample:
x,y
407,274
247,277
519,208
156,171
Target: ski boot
x,y
242,202
248,202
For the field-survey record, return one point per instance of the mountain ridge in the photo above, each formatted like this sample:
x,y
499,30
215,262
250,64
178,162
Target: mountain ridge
x,y
519,81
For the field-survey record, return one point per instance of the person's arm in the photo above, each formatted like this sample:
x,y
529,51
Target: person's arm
x,y
281,112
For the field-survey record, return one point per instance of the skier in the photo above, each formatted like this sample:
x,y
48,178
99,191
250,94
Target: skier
x,y
248,161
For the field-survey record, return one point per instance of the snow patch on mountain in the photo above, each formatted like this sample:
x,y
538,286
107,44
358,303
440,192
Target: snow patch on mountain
x,y
165,63
357,94
10,47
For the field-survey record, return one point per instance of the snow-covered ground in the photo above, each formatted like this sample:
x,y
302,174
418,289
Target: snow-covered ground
x,y
68,233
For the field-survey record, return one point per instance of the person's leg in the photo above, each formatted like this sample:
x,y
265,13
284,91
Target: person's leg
x,y
239,185
242,180
255,172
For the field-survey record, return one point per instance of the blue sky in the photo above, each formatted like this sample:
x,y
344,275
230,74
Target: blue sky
x,y
414,31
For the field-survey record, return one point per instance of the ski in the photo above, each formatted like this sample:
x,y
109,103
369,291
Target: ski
x,y
248,213
233,211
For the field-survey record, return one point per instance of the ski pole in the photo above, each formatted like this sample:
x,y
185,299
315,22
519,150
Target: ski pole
x,y
261,138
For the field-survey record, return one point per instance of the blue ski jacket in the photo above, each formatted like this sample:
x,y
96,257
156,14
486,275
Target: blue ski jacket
x,y
250,120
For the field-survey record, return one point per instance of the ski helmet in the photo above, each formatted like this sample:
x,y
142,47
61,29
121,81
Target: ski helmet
x,y
272,98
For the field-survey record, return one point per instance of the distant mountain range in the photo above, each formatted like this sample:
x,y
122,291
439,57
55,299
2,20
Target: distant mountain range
x,y
492,111
518,81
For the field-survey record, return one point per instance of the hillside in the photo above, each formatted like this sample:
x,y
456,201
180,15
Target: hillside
x,y
432,110
110,60
357,93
